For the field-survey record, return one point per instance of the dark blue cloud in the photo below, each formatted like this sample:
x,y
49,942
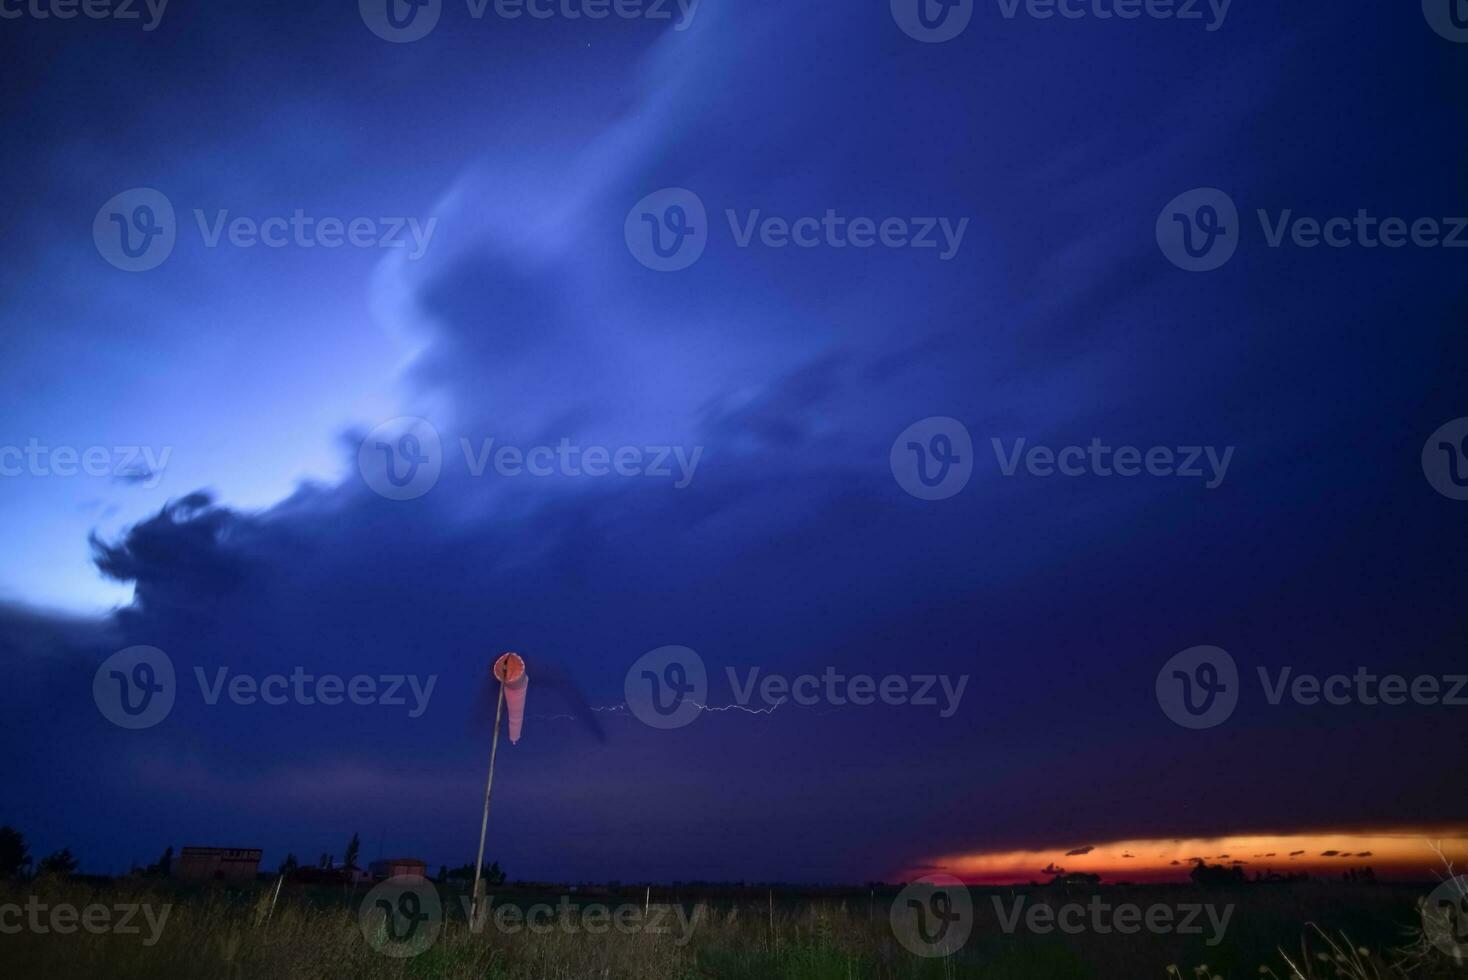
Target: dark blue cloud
x,y
792,548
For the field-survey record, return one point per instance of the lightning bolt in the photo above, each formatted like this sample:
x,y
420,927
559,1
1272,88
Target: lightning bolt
x,y
712,708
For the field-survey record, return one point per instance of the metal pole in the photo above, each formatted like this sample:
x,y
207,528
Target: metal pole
x,y
274,898
484,824
773,944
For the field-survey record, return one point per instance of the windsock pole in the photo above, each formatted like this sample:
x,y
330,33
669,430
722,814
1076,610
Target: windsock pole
x,y
484,823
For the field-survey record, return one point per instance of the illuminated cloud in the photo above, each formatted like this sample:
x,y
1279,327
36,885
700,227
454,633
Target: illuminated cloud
x,y
1406,855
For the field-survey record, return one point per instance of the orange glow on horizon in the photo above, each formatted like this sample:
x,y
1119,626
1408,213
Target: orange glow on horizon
x,y
1400,855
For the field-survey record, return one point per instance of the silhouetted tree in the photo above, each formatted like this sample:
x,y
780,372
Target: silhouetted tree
x,y
354,847
59,863
289,864
15,858
164,866
491,873
1217,876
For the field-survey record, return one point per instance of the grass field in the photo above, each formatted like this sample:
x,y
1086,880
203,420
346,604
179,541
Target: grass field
x,y
232,933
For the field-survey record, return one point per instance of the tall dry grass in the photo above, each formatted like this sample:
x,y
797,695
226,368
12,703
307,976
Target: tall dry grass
x,y
214,934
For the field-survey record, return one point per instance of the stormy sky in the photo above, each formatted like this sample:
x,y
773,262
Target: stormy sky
x,y
238,390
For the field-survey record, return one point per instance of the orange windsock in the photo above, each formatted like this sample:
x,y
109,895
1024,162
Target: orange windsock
x,y
510,670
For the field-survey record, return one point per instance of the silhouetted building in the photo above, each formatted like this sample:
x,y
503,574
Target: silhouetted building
x,y
323,876
392,867
238,864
